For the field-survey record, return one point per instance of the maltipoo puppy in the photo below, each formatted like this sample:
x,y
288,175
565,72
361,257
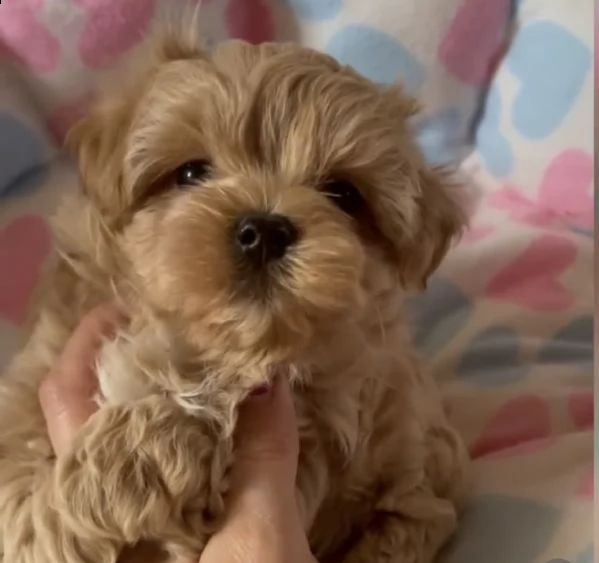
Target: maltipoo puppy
x,y
258,209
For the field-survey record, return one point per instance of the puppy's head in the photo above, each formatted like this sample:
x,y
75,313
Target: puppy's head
x,y
261,193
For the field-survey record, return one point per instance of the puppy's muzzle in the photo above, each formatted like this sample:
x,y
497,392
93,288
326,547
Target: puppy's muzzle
x,y
262,238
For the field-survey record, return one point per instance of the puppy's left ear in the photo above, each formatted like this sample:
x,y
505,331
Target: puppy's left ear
x,y
420,220
98,142
99,139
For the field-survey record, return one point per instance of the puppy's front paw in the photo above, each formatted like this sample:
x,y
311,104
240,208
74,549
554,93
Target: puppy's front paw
x,y
144,471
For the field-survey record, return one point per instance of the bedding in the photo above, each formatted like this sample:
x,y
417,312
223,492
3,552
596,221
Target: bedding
x,y
506,325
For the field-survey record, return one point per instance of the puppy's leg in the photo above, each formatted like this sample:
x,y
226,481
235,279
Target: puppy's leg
x,y
413,532
143,471
30,529
412,523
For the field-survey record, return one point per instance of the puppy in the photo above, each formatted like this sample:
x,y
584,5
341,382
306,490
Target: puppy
x,y
256,210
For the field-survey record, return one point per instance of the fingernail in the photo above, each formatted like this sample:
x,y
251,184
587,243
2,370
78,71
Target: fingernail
x,y
261,391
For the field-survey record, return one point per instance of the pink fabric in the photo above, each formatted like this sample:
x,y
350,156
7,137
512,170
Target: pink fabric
x,y
250,20
581,408
112,27
522,424
564,196
531,280
24,36
474,39
63,117
586,485
24,245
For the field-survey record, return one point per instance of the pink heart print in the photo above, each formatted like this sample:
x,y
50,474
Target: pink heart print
x,y
24,37
250,20
24,245
112,28
521,425
581,408
567,187
586,484
532,279
476,233
471,45
64,116
564,196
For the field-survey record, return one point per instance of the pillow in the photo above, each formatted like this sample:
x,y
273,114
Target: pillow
x,y
441,50
534,142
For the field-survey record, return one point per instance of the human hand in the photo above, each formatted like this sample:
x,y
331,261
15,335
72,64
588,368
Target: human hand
x,y
67,393
263,523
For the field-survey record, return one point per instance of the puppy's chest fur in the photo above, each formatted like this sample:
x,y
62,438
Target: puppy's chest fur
x,y
336,487
353,446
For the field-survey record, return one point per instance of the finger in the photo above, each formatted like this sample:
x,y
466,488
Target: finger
x,y
66,396
265,465
267,442
82,348
263,521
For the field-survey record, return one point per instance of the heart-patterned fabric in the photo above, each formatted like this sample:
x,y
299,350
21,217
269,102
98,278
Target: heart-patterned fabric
x,y
442,52
537,121
506,326
508,323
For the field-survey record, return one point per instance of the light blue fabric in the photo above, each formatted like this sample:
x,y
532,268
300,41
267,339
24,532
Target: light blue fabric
x,y
23,154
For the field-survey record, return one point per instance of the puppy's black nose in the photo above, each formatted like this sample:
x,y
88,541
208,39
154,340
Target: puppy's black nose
x,y
264,237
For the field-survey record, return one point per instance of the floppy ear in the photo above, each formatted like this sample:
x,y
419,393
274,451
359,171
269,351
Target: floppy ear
x,y
420,219
417,208
422,229
99,139
440,221
98,142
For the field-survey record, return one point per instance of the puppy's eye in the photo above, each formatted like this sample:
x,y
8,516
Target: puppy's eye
x,y
344,195
192,173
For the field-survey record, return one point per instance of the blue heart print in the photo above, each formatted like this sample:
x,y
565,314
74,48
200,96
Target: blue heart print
x,y
503,529
493,357
552,66
22,156
442,136
586,557
316,9
377,56
27,183
570,345
492,145
438,315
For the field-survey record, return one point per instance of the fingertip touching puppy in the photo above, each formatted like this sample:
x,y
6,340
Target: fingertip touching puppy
x,y
256,210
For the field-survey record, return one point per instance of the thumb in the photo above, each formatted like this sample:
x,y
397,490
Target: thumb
x,y
267,443
66,394
263,521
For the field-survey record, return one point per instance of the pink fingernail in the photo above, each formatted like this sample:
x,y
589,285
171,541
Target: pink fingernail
x,y
261,391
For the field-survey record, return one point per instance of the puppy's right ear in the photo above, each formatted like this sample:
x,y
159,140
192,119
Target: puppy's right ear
x,y
99,140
